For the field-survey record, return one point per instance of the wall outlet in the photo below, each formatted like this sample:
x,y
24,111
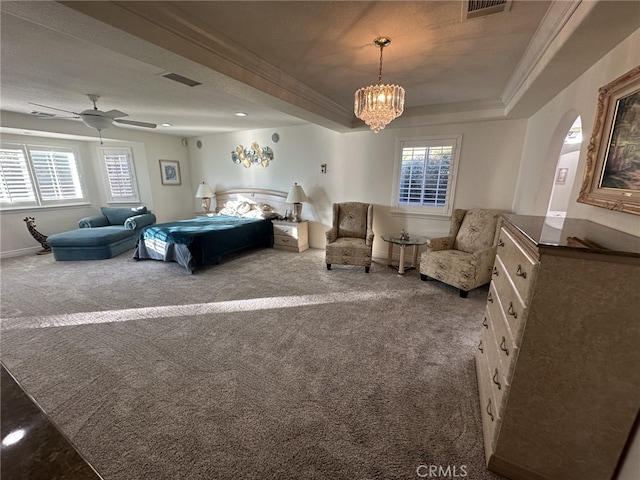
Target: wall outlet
x,y
323,168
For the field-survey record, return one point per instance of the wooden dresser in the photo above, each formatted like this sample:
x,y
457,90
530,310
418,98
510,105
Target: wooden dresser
x,y
558,362
291,236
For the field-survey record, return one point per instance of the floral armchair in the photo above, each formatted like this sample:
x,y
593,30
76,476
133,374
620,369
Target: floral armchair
x,y
465,258
350,239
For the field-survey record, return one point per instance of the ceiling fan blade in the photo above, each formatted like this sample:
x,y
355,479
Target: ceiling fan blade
x,y
115,114
137,124
52,108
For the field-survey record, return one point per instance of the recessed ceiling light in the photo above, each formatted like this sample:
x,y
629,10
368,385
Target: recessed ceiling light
x,y
241,114
166,125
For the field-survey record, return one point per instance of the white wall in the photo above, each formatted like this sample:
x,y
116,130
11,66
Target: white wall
x,y
360,167
167,202
561,193
543,140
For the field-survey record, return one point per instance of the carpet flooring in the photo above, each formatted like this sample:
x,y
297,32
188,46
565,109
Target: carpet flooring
x,y
266,366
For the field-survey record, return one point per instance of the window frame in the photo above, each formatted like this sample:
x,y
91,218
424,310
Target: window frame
x,y
398,209
38,189
119,150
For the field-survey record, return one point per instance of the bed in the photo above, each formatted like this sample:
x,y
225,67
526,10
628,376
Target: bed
x,y
242,222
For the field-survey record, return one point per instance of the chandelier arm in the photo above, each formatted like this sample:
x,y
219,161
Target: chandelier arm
x,y
380,72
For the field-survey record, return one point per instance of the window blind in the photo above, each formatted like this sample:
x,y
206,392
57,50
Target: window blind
x,y
56,173
425,175
118,165
15,179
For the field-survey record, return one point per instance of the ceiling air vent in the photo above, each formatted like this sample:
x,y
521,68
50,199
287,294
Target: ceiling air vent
x,y
180,79
481,8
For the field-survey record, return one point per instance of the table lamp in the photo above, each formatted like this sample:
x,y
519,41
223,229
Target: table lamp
x,y
205,193
296,196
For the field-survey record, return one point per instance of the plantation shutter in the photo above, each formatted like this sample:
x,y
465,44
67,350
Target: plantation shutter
x,y
120,174
56,173
425,174
15,179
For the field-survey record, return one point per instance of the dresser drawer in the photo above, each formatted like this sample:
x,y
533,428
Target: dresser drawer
x,y
494,319
288,230
497,372
490,419
520,266
289,243
509,299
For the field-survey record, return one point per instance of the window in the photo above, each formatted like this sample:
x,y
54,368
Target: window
x,y
425,175
120,174
35,175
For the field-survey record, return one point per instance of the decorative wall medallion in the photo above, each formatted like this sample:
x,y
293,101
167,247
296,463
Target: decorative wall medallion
x,y
254,155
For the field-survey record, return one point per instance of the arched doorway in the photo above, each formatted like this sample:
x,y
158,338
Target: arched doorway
x,y
565,172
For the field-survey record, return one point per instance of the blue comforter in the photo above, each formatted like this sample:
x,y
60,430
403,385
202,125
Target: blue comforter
x,y
202,241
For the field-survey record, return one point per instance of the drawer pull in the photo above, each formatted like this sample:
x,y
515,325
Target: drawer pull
x,y
285,240
511,311
500,243
480,347
489,410
496,272
503,346
489,298
485,324
520,272
495,380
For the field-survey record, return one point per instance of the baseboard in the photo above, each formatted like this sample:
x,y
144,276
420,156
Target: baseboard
x,y
511,470
21,252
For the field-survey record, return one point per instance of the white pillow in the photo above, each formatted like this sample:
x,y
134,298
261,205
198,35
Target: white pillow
x,y
259,214
228,211
244,207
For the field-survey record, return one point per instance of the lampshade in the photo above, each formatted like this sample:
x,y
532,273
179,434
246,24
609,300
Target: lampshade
x,y
296,194
204,191
377,105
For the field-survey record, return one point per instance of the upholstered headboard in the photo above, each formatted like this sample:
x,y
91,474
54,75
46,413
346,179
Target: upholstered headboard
x,y
274,198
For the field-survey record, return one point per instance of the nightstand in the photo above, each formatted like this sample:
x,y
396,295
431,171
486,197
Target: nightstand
x,y
291,236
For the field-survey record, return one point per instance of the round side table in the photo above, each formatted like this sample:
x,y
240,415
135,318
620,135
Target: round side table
x,y
394,239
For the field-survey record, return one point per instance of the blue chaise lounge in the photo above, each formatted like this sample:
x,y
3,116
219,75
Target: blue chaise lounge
x,y
103,236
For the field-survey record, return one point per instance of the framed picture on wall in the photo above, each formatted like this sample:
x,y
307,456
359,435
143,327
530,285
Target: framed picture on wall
x,y
612,176
170,172
561,177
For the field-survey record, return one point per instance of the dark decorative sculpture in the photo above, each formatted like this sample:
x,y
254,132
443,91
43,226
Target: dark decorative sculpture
x,y
40,238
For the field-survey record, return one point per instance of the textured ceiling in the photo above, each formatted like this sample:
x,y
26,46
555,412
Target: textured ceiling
x,y
284,63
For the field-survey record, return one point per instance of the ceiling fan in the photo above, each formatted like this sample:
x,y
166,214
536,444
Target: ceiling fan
x,y
99,120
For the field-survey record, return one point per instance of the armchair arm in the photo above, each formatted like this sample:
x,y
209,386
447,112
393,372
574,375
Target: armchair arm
x,y
439,243
93,221
139,221
369,240
331,235
484,258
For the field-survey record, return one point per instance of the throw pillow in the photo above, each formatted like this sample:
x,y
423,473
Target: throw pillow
x,y
117,216
477,231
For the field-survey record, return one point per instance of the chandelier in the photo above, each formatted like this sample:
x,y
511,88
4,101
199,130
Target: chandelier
x,y
377,105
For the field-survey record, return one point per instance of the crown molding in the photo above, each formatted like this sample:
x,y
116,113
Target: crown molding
x,y
161,24
554,21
